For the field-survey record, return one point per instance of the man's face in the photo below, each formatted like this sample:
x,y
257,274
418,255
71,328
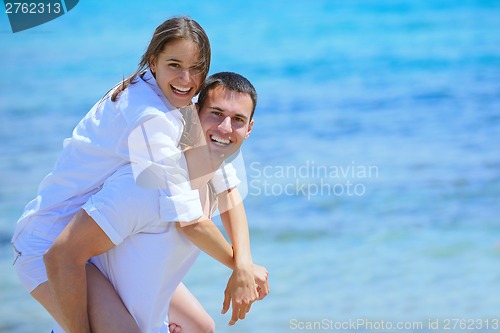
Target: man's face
x,y
225,121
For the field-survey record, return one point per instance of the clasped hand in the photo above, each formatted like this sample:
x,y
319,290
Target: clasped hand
x,y
245,286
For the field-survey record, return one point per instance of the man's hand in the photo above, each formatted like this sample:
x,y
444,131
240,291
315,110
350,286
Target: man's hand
x,y
261,279
242,291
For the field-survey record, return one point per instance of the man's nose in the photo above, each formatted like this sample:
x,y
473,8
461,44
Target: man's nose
x,y
225,125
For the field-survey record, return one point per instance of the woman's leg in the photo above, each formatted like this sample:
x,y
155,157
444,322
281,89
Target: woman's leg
x,y
185,311
106,310
43,295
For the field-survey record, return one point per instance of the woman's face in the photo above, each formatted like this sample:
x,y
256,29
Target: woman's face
x,y
176,71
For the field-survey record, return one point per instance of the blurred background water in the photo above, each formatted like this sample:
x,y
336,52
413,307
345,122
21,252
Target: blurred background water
x,y
373,168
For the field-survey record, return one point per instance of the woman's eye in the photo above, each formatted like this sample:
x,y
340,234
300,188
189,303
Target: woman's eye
x,y
196,70
174,65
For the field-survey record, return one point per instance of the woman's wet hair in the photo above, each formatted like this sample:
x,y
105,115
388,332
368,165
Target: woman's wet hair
x,y
176,28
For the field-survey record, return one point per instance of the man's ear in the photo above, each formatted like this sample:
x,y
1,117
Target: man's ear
x,y
249,130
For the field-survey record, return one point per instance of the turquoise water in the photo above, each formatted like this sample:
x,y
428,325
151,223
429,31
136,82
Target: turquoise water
x,y
373,168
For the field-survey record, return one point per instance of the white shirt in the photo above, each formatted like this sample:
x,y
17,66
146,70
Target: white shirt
x,y
150,258
140,128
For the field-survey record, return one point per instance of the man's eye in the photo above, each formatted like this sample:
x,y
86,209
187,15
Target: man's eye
x,y
240,120
217,113
174,65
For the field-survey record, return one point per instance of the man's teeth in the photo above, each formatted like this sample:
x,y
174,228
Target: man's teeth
x,y
180,89
220,140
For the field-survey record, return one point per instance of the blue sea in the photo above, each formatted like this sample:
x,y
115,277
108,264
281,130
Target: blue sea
x,y
372,171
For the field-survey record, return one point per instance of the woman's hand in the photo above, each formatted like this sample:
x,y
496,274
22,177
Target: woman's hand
x,y
261,279
242,291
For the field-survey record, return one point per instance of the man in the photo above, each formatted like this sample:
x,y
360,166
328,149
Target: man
x,y
145,258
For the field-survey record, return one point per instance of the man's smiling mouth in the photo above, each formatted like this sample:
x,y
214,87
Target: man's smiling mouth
x,y
219,141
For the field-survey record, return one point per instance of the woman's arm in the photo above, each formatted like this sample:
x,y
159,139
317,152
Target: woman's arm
x,y
208,238
235,223
241,288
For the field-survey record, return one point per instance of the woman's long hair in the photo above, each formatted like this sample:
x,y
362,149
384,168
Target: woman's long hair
x,y
173,29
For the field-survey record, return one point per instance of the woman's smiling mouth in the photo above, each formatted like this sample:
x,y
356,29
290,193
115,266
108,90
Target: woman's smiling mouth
x,y
180,90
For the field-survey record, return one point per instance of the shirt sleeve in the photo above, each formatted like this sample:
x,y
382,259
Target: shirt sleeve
x,y
157,162
225,178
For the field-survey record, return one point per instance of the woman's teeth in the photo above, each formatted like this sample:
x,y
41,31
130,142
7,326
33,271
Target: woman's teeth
x,y
181,90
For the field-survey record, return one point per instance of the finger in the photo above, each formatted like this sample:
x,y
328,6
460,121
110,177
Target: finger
x,y
264,288
240,306
235,314
243,312
260,291
255,295
226,303
245,308
267,289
